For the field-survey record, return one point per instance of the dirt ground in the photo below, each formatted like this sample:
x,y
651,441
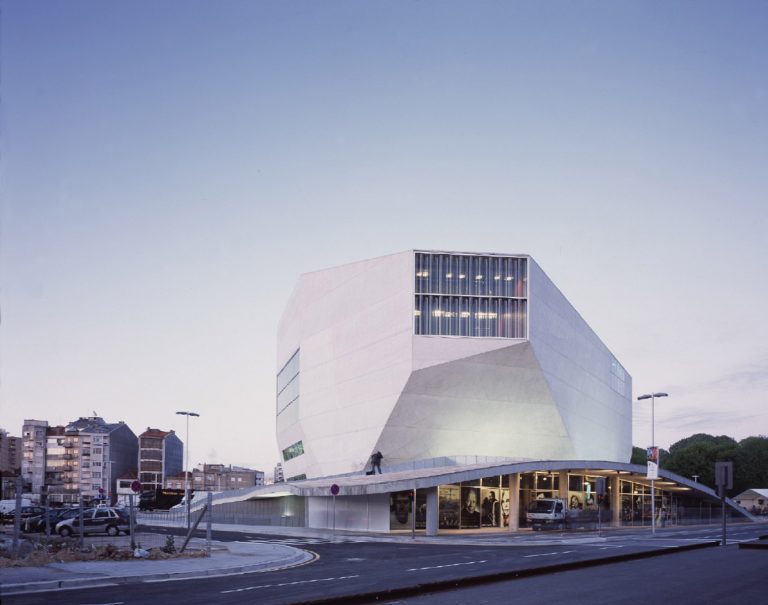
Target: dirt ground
x,y
62,550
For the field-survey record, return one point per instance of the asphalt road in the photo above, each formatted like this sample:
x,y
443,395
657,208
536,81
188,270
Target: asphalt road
x,y
725,576
351,567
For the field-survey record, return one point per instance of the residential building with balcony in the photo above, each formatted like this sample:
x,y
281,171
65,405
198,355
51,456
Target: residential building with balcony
x,y
10,463
62,464
161,454
33,454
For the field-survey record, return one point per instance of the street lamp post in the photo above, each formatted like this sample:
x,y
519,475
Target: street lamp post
x,y
186,463
652,397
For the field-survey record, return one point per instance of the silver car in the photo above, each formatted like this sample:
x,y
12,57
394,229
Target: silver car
x,y
101,520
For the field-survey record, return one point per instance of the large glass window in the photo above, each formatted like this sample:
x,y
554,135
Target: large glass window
x,y
618,378
476,296
297,449
288,383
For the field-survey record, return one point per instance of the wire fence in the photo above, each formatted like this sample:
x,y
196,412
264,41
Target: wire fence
x,y
113,531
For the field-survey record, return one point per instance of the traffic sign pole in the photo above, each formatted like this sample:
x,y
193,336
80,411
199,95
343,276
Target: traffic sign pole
x,y
131,514
334,493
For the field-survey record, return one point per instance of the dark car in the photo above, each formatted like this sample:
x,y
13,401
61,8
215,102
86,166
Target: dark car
x,y
26,511
54,515
99,520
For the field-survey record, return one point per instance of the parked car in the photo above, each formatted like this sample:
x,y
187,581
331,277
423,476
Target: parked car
x,y
26,511
101,520
37,522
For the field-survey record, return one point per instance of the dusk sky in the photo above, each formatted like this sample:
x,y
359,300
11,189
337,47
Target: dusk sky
x,y
168,169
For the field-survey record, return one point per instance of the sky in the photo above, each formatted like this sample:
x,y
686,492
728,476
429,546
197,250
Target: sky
x,y
168,170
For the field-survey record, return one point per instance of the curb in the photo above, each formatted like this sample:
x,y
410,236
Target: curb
x,y
442,585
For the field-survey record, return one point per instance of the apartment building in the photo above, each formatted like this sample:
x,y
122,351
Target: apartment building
x,y
161,454
10,463
217,478
277,473
61,464
10,452
33,449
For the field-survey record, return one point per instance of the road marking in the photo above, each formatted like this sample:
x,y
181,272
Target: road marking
x,y
296,583
303,541
549,554
446,565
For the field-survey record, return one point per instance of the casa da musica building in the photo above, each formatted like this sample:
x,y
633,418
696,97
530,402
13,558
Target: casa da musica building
x,y
476,379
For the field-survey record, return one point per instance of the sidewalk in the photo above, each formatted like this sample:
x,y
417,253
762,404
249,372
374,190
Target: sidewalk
x,y
226,558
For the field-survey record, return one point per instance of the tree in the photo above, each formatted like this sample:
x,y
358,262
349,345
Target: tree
x,y
750,464
639,455
697,454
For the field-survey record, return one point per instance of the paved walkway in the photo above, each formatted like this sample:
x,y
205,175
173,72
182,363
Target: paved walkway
x,y
226,558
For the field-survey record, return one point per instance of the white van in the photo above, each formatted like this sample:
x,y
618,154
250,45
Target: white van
x,y
7,506
547,512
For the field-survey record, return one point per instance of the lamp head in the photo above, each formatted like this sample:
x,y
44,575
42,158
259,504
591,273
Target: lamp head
x,y
652,395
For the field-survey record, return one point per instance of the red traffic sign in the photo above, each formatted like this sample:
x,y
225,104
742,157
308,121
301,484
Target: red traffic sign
x,y
335,489
136,486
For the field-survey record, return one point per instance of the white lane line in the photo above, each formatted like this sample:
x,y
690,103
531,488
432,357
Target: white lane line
x,y
446,565
288,584
544,554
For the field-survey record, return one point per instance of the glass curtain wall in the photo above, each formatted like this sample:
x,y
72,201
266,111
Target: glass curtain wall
x,y
636,505
485,503
471,296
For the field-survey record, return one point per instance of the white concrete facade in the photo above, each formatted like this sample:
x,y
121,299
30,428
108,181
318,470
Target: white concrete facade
x,y
366,381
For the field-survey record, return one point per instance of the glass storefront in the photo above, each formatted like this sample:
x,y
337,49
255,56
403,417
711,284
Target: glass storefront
x,y
474,504
401,510
485,503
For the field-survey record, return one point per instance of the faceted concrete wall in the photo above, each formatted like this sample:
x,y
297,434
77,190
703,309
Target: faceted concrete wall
x,y
354,327
368,383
